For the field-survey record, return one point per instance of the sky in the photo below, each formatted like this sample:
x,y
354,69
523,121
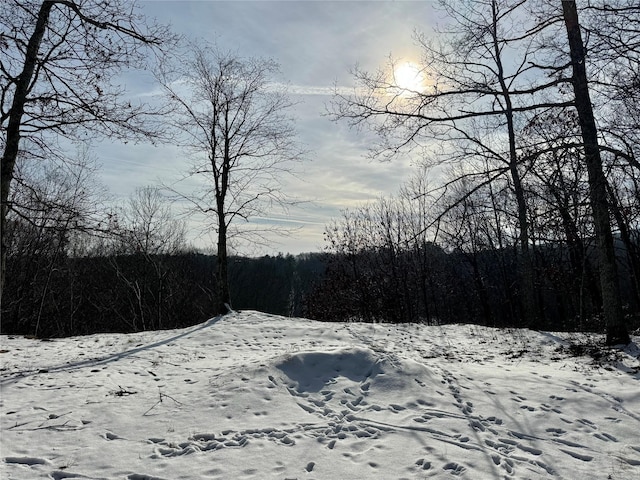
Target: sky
x,y
317,44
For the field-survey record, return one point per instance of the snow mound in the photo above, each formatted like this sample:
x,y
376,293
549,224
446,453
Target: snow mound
x,y
312,371
367,369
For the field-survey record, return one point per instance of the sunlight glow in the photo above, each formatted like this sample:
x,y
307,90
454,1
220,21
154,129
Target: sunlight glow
x,y
409,78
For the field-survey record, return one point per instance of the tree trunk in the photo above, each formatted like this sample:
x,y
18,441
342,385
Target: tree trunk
x,y
612,306
12,144
222,276
525,261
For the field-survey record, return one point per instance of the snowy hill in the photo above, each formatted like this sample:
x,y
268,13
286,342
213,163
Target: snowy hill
x,y
256,396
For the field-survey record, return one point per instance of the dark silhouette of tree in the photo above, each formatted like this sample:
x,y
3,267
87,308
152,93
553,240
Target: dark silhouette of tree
x,y
611,302
500,64
58,61
54,204
233,119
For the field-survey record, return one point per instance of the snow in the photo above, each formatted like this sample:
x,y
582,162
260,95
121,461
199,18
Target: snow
x,y
251,395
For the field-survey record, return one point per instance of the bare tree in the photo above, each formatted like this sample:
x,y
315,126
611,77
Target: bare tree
x,y
149,226
500,63
612,32
231,116
54,204
58,59
146,236
475,223
480,79
611,302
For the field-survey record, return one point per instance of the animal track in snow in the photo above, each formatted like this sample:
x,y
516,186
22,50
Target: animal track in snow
x,y
454,468
579,456
227,439
137,476
27,460
426,407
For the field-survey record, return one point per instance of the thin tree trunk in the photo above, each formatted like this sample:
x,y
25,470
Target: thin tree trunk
x,y
525,261
222,276
612,306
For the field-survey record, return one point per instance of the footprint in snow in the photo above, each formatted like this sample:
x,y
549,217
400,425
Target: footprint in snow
x,y
579,456
137,476
605,437
454,468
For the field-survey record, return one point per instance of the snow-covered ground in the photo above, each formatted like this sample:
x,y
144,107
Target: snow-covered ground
x,y
258,396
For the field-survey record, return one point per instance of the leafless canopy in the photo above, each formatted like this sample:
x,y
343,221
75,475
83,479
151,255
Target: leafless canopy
x,y
58,63
233,120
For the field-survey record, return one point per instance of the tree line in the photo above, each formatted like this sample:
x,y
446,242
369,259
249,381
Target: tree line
x,y
117,286
380,266
386,266
59,65
134,271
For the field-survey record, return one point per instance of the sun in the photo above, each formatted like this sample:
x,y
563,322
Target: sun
x,y
408,78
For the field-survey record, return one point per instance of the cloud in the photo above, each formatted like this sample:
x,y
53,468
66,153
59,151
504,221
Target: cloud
x,y
316,43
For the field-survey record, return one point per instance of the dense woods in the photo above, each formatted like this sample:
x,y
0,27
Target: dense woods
x,y
498,70
381,271
54,294
375,274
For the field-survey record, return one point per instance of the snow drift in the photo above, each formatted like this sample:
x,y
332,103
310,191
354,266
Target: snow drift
x,y
258,396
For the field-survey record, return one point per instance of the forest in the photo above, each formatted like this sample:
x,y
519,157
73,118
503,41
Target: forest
x,y
56,294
